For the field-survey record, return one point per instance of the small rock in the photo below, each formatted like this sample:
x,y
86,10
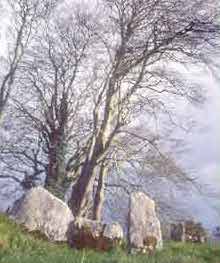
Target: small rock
x,y
86,233
113,232
188,231
195,232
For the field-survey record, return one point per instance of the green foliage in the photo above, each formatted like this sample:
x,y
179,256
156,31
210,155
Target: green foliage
x,y
17,246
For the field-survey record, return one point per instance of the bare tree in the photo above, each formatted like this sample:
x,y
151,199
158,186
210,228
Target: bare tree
x,y
87,79
53,98
141,39
25,17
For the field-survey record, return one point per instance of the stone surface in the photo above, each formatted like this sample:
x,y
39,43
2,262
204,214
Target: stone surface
x,y
39,210
194,232
144,226
216,232
178,232
166,230
86,233
188,231
113,231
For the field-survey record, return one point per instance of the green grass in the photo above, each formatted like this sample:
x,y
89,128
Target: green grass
x,y
16,246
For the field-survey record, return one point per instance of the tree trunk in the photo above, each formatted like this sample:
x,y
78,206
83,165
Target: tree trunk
x,y
82,189
98,149
52,170
56,164
56,149
99,196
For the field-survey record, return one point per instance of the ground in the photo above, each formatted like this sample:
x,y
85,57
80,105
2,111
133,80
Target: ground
x,y
17,246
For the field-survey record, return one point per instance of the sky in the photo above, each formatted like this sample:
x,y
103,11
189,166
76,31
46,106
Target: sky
x,y
202,143
202,156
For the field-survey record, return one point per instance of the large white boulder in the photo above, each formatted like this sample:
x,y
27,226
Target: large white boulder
x,y
39,210
144,226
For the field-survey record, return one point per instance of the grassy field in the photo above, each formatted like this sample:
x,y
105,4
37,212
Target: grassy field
x,y
16,246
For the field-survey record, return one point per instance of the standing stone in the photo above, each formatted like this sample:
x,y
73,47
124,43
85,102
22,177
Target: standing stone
x,y
178,232
144,226
188,231
216,232
39,210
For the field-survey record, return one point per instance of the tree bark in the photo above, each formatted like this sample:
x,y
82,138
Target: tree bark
x,y
99,196
82,188
56,149
100,144
56,164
